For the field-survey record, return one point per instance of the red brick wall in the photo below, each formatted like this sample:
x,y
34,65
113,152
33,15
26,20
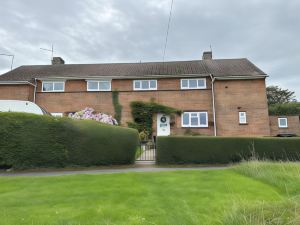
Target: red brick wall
x,y
241,95
76,98
16,92
293,125
231,97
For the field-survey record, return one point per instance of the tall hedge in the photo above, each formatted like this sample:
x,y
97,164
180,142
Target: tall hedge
x,y
212,150
30,141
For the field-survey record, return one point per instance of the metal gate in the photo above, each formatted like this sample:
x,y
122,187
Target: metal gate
x,y
146,152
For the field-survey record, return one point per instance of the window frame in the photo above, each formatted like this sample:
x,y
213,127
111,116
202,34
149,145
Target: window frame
x,y
142,89
240,117
199,124
286,120
188,83
98,84
53,83
56,114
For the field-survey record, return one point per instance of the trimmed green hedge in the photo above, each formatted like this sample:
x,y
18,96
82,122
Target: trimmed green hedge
x,y
286,109
31,141
180,150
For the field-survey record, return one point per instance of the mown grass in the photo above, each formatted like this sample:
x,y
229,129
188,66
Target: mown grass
x,y
252,193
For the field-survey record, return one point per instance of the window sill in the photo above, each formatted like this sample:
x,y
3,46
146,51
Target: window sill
x,y
98,90
195,127
243,124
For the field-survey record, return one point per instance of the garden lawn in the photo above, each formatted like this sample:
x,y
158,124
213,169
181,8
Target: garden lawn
x,y
164,198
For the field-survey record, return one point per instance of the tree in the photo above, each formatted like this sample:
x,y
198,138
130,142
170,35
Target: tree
x,y
277,95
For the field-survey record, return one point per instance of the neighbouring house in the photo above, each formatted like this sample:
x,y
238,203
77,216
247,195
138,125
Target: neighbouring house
x,y
223,97
285,125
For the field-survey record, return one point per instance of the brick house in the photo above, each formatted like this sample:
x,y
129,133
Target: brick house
x,y
223,97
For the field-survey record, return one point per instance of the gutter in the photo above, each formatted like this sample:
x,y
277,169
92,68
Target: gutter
x,y
34,91
16,82
213,102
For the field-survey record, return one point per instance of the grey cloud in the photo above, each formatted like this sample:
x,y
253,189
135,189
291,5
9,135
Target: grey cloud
x,y
93,31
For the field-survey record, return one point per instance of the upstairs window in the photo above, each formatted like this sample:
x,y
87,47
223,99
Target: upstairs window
x,y
193,83
282,123
53,86
194,119
242,118
103,85
144,85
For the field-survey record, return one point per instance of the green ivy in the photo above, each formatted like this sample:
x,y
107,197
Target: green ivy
x,y
285,109
142,114
117,106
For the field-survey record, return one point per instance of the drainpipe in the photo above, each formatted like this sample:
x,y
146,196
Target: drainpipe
x,y
213,102
34,92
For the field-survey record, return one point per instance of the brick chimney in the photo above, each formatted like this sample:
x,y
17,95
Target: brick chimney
x,y
207,55
57,61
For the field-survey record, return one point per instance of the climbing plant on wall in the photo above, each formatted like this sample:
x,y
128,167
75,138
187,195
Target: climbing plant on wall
x,y
142,114
117,106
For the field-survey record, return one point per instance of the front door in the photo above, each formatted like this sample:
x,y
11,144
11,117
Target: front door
x,y
163,125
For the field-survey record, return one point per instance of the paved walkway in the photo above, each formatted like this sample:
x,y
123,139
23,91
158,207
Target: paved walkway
x,y
149,167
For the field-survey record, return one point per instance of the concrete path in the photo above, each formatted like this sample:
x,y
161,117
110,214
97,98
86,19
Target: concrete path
x,y
145,167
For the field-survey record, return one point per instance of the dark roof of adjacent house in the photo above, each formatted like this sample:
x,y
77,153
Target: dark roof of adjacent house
x,y
217,67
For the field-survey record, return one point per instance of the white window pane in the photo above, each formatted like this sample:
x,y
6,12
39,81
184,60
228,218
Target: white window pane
x,y
137,84
184,83
282,122
145,84
194,114
47,86
192,83
242,117
104,85
201,83
194,121
59,86
152,83
203,119
92,85
186,119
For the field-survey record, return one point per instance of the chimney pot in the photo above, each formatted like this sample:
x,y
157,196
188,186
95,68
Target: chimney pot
x,y
207,55
57,61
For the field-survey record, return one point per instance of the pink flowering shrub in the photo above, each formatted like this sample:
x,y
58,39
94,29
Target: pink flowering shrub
x,y
89,113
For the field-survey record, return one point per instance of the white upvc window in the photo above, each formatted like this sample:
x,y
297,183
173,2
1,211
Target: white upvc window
x,y
53,86
194,119
98,85
282,122
57,114
144,85
199,83
242,118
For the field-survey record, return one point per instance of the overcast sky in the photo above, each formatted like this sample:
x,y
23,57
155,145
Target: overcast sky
x,y
94,31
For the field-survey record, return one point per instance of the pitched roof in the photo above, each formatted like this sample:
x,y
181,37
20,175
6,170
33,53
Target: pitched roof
x,y
218,67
